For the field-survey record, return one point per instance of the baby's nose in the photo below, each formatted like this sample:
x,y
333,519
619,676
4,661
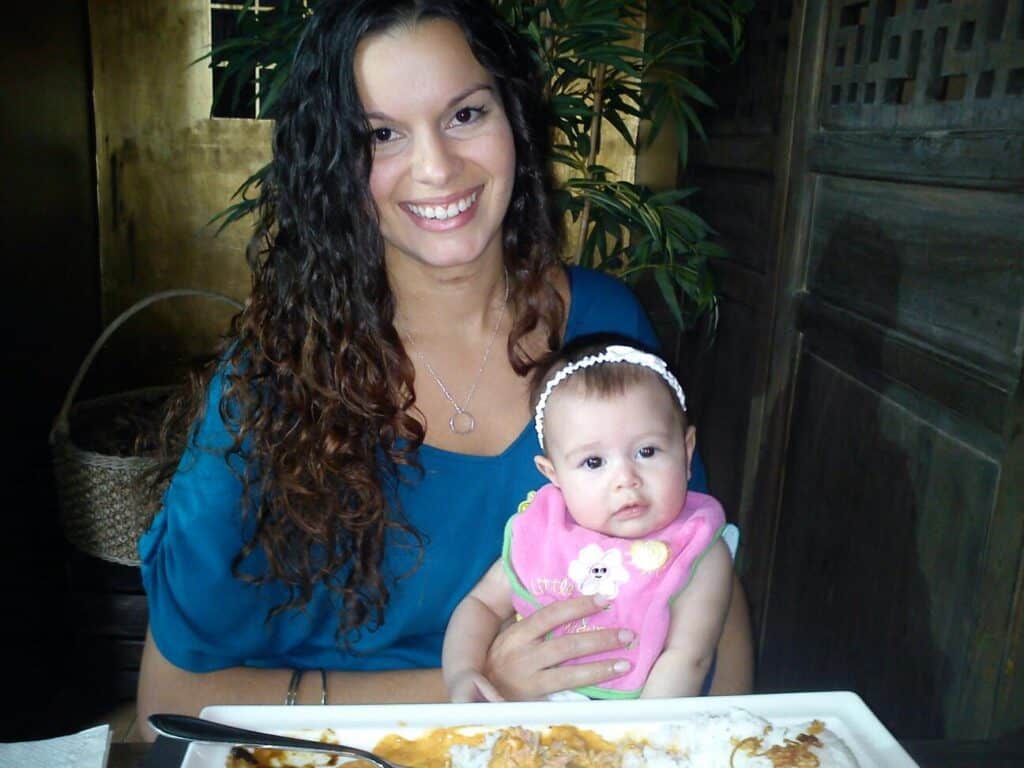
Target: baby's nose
x,y
628,477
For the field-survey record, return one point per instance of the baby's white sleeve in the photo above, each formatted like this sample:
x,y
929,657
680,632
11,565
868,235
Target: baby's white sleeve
x,y
731,537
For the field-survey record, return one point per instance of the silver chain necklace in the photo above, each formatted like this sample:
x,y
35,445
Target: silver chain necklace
x,y
462,421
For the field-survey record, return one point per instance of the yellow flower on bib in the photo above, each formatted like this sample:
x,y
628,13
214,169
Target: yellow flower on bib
x,y
648,555
526,502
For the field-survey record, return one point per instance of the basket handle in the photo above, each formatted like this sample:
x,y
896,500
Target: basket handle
x,y
61,422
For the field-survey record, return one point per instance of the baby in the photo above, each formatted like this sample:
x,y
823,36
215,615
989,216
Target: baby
x,y
615,521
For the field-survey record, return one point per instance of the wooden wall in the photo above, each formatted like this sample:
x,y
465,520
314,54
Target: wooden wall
x,y
164,169
883,494
742,173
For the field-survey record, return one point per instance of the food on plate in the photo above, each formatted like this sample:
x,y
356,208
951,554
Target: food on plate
x,y
733,739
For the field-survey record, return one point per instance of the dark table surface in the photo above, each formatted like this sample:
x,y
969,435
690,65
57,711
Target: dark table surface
x,y
1006,753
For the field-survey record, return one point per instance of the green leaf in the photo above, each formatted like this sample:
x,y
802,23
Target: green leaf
x,y
686,87
255,180
712,250
268,100
615,118
668,294
233,213
671,196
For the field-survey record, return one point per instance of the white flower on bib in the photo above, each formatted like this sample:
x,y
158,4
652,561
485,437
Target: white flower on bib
x,y
597,572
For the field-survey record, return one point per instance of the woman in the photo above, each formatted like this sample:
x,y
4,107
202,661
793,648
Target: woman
x,y
372,405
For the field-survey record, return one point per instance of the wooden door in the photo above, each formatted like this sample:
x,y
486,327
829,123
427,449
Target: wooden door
x,y
892,460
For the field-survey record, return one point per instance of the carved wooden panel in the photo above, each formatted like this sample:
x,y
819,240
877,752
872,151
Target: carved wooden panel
x,y
876,249
894,467
923,64
880,549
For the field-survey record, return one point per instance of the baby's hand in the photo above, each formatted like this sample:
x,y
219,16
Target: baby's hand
x,y
472,686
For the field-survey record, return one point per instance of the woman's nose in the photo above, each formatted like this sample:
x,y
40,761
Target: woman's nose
x,y
435,163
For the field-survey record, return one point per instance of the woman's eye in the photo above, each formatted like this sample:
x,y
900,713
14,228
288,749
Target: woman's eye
x,y
382,135
647,452
467,115
593,462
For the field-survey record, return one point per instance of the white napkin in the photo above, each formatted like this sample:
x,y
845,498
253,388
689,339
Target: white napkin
x,y
85,749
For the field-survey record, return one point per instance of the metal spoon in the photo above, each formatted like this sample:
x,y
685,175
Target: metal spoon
x,y
208,732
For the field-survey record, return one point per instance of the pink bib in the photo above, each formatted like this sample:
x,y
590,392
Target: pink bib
x,y
548,557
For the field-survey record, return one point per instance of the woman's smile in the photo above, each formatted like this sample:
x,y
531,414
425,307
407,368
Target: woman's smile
x,y
447,213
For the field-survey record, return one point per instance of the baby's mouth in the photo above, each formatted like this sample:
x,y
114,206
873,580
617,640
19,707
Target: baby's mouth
x,y
633,509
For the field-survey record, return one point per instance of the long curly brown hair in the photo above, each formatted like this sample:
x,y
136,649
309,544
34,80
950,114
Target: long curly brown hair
x,y
318,387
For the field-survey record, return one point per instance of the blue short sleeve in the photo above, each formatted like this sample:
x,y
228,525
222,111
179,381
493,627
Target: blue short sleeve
x,y
195,601
604,304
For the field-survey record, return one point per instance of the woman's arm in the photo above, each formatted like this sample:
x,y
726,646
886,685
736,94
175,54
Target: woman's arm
x,y
164,687
734,666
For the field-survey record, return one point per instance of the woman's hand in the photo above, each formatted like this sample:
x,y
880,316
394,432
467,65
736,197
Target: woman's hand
x,y
523,664
471,686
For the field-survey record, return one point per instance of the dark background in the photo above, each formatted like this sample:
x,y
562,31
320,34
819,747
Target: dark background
x,y
50,312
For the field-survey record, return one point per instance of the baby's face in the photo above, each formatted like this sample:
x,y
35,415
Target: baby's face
x,y
621,461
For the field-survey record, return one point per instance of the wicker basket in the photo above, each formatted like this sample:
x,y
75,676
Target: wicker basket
x,y
104,506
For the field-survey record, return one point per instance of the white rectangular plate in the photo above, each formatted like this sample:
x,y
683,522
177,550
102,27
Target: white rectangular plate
x,y
843,712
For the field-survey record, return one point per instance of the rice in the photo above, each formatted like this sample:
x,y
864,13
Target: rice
x,y
469,756
708,740
735,738
652,757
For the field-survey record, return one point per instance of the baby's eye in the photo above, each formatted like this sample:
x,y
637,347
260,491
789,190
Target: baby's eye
x,y
647,451
593,462
467,115
382,135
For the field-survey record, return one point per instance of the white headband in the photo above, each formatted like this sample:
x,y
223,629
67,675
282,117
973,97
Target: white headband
x,y
616,353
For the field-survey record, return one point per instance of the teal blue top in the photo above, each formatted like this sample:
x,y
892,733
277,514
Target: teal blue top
x,y
203,618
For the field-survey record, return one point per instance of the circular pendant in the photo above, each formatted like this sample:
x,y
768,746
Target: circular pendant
x,y
462,423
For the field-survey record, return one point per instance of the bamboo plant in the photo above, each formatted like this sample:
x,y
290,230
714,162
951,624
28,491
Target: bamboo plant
x,y
609,64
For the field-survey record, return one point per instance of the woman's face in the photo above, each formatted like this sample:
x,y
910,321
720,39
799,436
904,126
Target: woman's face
x,y
444,158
